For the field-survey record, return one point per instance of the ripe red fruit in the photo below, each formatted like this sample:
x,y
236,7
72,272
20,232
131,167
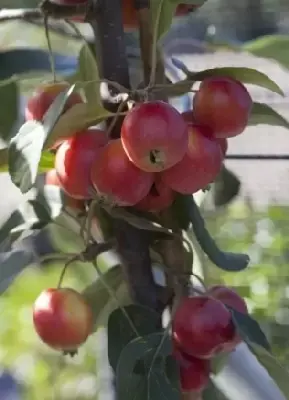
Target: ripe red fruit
x,y
154,136
62,318
194,372
117,179
224,105
202,326
73,161
188,116
159,198
232,299
44,96
51,178
200,165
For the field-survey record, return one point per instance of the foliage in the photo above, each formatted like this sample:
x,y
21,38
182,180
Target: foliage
x,y
140,348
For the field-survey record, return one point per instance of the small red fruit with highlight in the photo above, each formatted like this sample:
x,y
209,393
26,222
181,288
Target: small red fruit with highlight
x,y
154,136
73,162
224,105
194,372
159,198
202,327
231,298
116,179
62,318
200,165
44,96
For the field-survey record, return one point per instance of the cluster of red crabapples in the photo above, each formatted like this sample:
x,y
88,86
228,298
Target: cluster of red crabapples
x,y
160,151
202,329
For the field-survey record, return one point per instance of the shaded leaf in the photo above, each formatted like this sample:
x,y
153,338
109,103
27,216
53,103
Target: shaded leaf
x,y
279,373
11,265
264,114
126,324
26,147
249,329
155,383
224,260
136,221
76,119
8,113
33,214
175,89
162,12
180,210
97,295
245,75
88,72
225,188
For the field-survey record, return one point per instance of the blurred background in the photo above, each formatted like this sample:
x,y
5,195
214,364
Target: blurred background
x,y
247,210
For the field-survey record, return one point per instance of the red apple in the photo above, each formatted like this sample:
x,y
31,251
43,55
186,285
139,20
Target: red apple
x,y
231,298
154,136
202,326
116,179
194,372
73,162
62,318
159,197
44,96
222,104
188,116
51,178
200,165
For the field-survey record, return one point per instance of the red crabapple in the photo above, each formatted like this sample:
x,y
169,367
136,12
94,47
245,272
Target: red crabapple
x,y
43,97
222,104
116,179
62,318
230,297
73,161
200,165
159,197
202,326
154,136
194,372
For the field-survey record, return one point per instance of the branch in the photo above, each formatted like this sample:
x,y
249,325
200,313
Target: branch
x,y
132,244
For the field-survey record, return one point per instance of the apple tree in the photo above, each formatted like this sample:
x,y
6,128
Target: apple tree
x,y
125,165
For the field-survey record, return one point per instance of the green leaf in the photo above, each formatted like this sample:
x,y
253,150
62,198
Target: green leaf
x,y
155,383
278,372
136,221
180,210
264,114
127,323
270,46
196,3
249,329
47,161
26,147
224,260
8,113
245,75
4,160
97,295
88,72
162,12
76,119
225,188
33,214
11,265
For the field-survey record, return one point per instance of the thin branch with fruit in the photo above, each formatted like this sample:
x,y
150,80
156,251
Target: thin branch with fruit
x,y
135,177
